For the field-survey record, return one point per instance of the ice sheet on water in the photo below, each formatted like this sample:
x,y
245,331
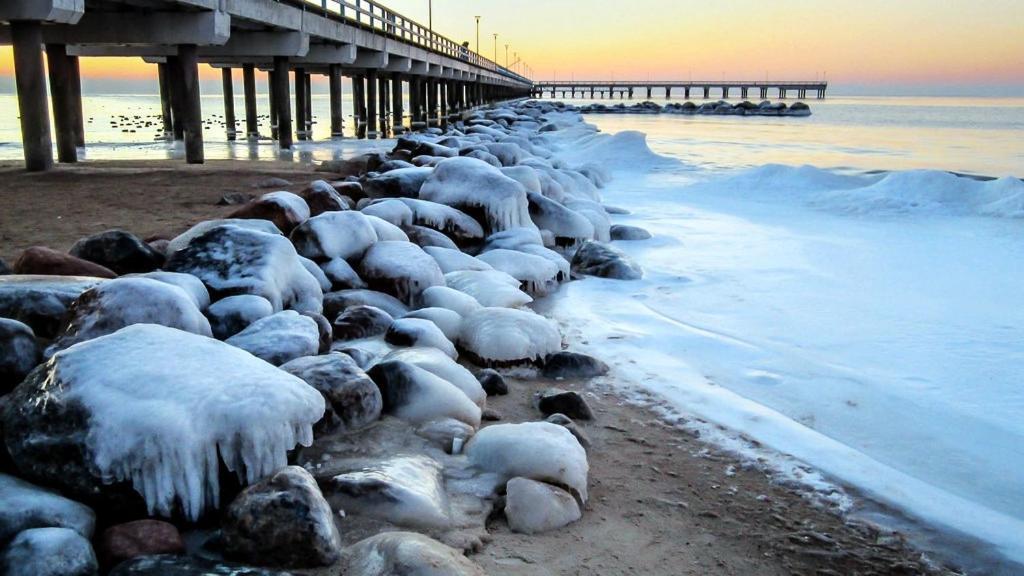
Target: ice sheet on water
x,y
626,150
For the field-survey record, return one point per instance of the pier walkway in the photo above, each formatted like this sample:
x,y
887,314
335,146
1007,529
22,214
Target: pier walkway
x,y
627,89
383,52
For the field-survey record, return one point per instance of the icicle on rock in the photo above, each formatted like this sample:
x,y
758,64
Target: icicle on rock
x,y
401,269
504,337
345,235
491,288
480,190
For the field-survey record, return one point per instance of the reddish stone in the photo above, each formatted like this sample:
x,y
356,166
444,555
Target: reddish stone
x,y
46,261
138,538
277,212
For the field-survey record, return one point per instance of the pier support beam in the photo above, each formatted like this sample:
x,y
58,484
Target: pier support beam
x,y
397,114
76,94
431,103
442,101
359,105
185,82
252,125
371,105
163,77
308,124
283,104
337,118
382,104
300,103
229,101
272,92
62,95
30,79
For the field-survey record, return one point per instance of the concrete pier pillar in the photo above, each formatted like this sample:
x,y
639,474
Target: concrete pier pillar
x,y
272,92
725,93
177,98
164,80
764,93
442,102
431,103
371,105
63,101
229,101
782,93
252,125
337,118
308,124
743,93
630,94
383,103
397,114
30,78
76,93
359,105
282,97
300,103
191,107
414,102
707,92
648,92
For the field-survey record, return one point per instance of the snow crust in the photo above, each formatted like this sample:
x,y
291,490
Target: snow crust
x,y
474,186
346,234
509,335
160,420
489,287
451,260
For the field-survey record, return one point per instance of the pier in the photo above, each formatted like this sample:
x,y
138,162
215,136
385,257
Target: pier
x,y
382,52
721,89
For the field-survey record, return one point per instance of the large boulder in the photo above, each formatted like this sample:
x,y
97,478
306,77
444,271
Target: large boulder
x,y
149,414
418,396
19,353
321,197
24,506
41,302
421,333
533,507
403,490
284,209
596,259
443,366
408,554
182,240
120,251
538,275
235,313
401,269
400,183
480,190
568,226
43,261
361,321
337,302
233,260
146,537
279,338
331,235
282,521
122,302
504,337
490,288
49,552
353,400
452,222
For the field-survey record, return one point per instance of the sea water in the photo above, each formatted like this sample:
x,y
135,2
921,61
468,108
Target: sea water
x,y
821,286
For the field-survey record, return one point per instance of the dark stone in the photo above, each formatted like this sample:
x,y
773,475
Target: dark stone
x,y
325,330
568,402
24,506
353,166
394,164
492,382
422,236
235,199
272,208
623,232
48,552
595,259
41,301
361,322
353,191
337,302
490,415
4,268
400,183
322,197
282,521
353,400
167,565
233,314
40,260
123,542
567,423
19,353
573,365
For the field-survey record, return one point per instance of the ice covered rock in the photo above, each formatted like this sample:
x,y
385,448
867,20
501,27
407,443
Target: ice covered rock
x,y
492,382
419,332
569,227
505,336
4,268
332,235
96,426
235,313
41,302
567,402
24,506
190,284
423,147
490,288
182,240
125,301
538,276
42,261
279,338
405,553
533,507
321,197
353,166
283,520
508,153
428,238
595,213
336,302
484,156
449,321
146,537
393,211
285,209
401,269
439,364
446,433
567,423
526,176
403,490
353,400
451,260
231,260
174,565
340,275
401,183
120,251
49,552
361,321
563,266
623,232
19,353
452,222
480,190
386,230
596,259
513,239
536,450
314,270
573,365
449,299
324,329
418,396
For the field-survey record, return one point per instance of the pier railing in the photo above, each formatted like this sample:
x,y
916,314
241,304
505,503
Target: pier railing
x,y
372,16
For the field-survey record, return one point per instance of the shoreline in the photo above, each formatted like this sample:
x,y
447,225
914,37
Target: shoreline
x,y
630,455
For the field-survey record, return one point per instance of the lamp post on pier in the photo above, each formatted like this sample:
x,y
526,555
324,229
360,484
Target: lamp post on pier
x,y
495,47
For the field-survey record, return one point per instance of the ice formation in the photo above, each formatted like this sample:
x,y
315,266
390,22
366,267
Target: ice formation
x,y
451,260
315,271
450,221
564,223
401,269
418,396
532,507
233,314
538,275
441,365
182,240
404,490
341,275
448,321
419,332
187,282
386,230
161,420
509,336
279,338
489,287
347,234
391,210
24,506
450,299
480,190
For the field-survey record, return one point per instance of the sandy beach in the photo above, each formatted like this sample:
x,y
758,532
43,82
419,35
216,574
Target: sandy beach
x,y
662,500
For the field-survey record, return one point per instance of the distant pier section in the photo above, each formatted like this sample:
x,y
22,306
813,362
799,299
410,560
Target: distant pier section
x,y
719,89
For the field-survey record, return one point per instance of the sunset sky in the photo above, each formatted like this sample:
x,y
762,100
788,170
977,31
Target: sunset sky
x,y
868,45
